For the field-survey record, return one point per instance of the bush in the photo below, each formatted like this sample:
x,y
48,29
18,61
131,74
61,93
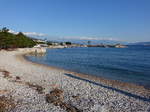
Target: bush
x,y
68,43
9,40
49,43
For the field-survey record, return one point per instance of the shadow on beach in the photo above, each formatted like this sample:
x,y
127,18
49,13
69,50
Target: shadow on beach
x,y
110,88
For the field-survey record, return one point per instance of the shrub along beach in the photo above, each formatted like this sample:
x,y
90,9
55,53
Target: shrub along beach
x,y
29,87
10,40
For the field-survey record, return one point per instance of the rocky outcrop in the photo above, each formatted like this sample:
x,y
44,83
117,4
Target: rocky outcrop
x,y
120,46
33,50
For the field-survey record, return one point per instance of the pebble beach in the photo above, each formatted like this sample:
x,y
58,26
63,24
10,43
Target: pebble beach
x,y
28,85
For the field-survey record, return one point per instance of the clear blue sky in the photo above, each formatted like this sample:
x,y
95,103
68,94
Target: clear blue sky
x,y
127,20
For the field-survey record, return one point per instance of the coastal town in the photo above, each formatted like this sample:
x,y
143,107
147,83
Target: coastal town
x,y
52,44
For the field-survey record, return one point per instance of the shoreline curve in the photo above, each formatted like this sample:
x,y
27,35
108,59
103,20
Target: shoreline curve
x,y
130,87
87,93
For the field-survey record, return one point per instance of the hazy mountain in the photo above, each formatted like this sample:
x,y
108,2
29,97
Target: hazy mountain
x,y
93,42
140,43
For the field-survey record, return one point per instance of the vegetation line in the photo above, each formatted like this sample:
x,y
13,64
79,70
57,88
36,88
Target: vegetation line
x,y
10,40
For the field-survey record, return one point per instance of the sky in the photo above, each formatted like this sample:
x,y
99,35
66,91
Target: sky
x,y
123,20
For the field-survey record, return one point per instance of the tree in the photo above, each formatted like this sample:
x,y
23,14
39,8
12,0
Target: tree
x,y
24,41
68,43
4,29
20,34
89,42
49,43
61,43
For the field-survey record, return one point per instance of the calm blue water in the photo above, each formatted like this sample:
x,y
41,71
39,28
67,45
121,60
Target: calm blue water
x,y
130,64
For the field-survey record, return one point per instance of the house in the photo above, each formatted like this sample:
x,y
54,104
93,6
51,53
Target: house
x,y
40,45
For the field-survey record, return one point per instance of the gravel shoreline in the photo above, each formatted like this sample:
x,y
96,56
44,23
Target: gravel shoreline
x,y
87,94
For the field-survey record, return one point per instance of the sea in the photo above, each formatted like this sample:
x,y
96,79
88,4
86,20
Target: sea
x,y
131,64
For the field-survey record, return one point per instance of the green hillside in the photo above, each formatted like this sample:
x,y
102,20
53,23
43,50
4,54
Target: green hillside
x,y
10,40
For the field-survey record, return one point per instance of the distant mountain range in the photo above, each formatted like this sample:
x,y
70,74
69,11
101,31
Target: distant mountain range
x,y
93,42
140,43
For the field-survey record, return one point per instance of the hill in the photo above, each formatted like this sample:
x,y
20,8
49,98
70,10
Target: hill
x,y
10,40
